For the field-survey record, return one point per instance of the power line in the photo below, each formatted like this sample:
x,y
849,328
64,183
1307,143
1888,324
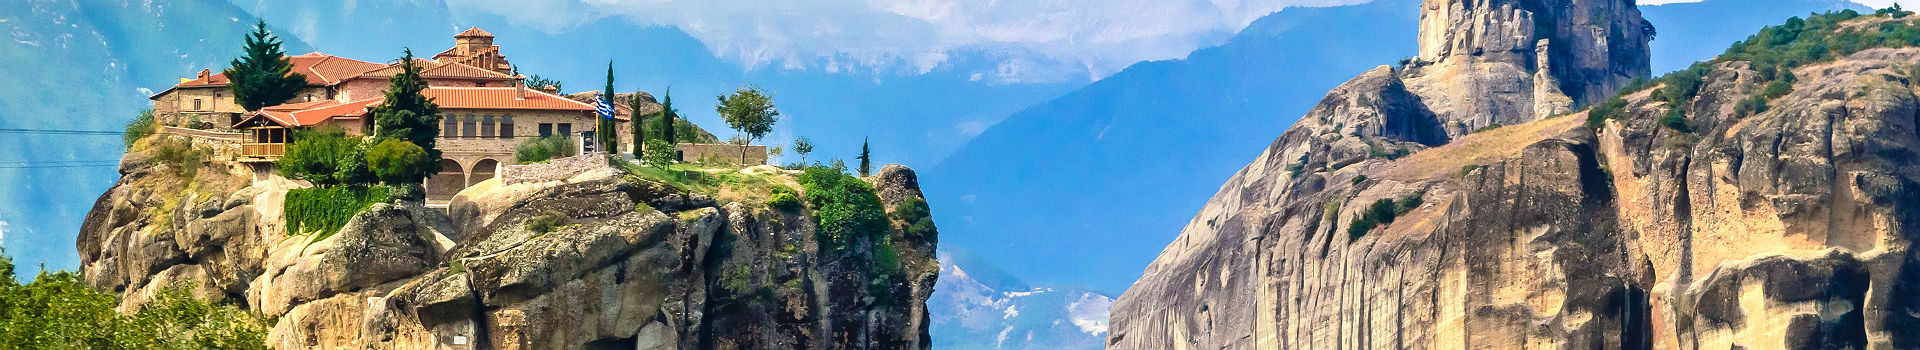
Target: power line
x,y
60,132
58,166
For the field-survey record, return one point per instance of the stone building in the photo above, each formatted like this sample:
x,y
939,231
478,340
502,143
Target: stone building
x,y
485,110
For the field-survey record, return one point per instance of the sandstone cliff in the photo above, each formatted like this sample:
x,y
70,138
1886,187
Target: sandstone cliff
x,y
1504,62
1675,224
636,263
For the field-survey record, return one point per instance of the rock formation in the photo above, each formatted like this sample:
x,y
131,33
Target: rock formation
x,y
1789,228
636,264
1505,62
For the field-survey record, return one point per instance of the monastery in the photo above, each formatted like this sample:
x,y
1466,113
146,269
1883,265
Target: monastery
x,y
486,109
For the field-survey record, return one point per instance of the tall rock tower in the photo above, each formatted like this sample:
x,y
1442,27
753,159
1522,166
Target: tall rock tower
x,y
1486,62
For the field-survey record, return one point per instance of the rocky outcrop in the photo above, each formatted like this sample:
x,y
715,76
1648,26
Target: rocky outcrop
x,y
1790,228
1505,62
632,263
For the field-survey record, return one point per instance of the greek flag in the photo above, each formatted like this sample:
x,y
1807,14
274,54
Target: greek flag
x,y
606,110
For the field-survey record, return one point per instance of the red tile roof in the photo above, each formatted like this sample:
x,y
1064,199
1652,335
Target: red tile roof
x,y
431,69
449,98
321,70
501,98
473,32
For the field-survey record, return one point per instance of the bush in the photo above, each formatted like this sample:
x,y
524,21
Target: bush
x,y
141,127
659,154
326,158
1468,169
783,199
547,222
59,311
917,216
1382,212
543,149
1357,180
1676,119
185,159
1489,127
397,161
845,208
325,210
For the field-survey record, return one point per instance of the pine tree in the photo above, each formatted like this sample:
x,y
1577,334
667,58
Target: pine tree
x,y
264,76
604,136
866,159
408,115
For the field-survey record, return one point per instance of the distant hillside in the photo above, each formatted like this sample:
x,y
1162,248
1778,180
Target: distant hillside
x,y
980,306
1694,31
88,65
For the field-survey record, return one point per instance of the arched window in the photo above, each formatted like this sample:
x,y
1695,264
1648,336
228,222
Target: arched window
x,y
506,127
486,126
467,128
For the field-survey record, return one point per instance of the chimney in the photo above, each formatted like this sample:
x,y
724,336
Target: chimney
x,y
519,87
204,73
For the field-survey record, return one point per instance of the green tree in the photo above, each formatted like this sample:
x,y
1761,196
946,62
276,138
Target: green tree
x,y
637,126
659,153
749,110
667,116
543,149
538,82
866,159
408,115
394,160
141,127
802,146
264,76
326,158
603,134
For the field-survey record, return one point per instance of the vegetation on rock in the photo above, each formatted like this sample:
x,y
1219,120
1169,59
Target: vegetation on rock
x,y
59,311
325,210
845,208
408,115
141,126
749,110
542,149
326,158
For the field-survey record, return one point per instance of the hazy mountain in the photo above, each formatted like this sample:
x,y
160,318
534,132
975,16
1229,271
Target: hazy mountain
x,y
979,306
88,65
1087,188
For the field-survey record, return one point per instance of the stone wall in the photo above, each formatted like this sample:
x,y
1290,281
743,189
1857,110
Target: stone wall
x,y
558,169
720,154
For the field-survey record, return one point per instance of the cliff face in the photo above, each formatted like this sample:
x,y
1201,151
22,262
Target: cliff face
x,y
634,264
1784,229
1487,62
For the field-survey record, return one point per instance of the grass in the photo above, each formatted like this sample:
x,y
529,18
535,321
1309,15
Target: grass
x,y
1501,143
724,184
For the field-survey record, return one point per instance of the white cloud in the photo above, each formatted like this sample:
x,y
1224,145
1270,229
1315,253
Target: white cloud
x,y
3,231
1033,39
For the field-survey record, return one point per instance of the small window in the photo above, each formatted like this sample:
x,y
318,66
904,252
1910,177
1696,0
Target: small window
x,y
467,128
449,128
566,129
196,104
506,127
546,129
486,126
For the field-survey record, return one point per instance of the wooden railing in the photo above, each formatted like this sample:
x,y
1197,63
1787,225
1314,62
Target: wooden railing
x,y
262,150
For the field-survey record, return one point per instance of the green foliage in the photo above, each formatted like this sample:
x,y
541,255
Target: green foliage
x,y
802,146
1331,210
1676,119
326,158
185,159
845,208
547,222
59,311
1681,86
538,82
1895,12
784,198
543,149
603,133
324,210
749,110
1357,180
1296,168
670,122
866,159
1489,127
408,115
1613,108
263,76
1382,212
141,127
659,154
394,161
1468,169
917,216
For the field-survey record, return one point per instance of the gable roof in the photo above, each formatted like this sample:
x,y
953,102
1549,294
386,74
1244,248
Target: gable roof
x,y
438,70
473,32
320,69
313,113
448,98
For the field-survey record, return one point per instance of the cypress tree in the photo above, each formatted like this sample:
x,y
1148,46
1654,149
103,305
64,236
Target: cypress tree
x,y
605,134
264,76
635,126
667,116
866,159
409,115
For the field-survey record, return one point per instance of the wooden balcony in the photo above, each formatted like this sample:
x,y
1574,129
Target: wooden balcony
x,y
261,152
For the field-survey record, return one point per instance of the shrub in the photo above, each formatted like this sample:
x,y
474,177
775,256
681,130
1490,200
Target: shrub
x,y
659,154
141,127
1357,180
1676,119
1489,127
543,149
324,210
59,311
547,222
783,199
1383,211
326,158
917,216
1468,169
185,159
844,208
396,161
